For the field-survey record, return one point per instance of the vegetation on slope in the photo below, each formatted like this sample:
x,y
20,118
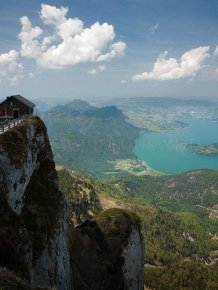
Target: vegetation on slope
x,y
11,281
82,199
175,192
15,142
180,237
86,137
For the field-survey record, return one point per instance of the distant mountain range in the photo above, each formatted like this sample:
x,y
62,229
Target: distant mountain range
x,y
161,102
87,137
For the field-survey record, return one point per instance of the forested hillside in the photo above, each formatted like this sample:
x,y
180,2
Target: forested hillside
x,y
180,233
89,138
178,212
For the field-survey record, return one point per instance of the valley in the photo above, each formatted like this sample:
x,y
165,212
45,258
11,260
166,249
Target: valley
x,y
179,230
100,169
109,145
138,137
103,187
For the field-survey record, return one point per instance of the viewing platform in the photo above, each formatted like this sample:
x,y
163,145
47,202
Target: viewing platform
x,y
8,124
13,111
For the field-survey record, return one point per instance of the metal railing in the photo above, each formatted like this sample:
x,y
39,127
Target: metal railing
x,y
8,124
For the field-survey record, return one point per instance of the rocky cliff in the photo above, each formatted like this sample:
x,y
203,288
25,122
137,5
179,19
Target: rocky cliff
x,y
38,238
33,211
112,255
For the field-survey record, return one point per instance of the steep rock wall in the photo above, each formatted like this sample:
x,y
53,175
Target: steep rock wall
x,y
134,261
107,252
36,241
33,241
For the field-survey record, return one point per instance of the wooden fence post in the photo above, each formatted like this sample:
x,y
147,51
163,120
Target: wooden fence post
x,y
12,123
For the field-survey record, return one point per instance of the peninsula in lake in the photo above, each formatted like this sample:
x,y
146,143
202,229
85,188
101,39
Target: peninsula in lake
x,y
210,150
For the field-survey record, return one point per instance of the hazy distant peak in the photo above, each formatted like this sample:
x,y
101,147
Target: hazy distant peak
x,y
78,104
57,109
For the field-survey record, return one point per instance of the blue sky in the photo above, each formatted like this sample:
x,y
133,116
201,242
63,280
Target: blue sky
x,y
100,49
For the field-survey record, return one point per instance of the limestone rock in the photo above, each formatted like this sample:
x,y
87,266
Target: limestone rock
x,y
33,239
107,252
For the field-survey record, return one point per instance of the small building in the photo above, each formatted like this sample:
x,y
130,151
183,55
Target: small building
x,y
15,107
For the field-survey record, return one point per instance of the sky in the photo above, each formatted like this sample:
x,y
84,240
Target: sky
x,y
56,51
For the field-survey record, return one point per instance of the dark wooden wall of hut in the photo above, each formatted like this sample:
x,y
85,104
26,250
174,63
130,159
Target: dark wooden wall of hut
x,y
11,104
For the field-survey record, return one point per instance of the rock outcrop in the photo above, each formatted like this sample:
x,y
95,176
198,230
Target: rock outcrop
x,y
41,243
112,252
33,241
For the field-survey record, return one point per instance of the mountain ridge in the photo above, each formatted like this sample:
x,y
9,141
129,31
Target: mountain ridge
x,y
90,139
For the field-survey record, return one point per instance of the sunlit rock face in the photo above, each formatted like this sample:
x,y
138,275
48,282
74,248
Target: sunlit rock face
x,y
134,261
33,237
111,255
19,149
39,239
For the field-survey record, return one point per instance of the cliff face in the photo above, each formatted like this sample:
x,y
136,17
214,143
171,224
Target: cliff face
x,y
112,255
133,266
33,211
36,240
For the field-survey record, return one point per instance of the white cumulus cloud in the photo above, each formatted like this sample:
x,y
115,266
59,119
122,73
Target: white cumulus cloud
x,y
56,17
52,15
30,46
71,43
10,67
116,49
216,51
170,69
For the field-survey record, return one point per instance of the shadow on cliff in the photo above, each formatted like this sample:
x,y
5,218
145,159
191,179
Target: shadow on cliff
x,y
98,250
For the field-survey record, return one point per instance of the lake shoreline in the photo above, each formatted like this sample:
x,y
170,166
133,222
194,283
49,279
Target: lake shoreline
x,y
165,152
152,170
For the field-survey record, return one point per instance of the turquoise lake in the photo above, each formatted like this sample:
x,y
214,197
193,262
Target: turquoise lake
x,y
165,151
